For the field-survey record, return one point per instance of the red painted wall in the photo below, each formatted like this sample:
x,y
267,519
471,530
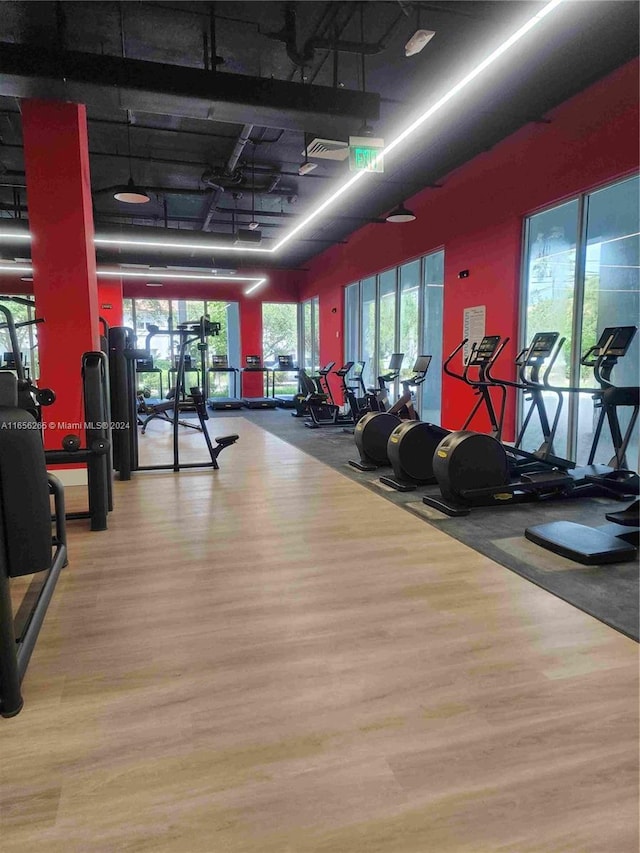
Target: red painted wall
x,y
110,300
477,217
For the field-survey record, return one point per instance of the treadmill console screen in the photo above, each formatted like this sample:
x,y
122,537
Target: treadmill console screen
x,y
285,362
422,364
219,361
619,337
253,361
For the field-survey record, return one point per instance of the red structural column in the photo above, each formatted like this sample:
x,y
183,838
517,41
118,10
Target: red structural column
x,y
251,344
56,154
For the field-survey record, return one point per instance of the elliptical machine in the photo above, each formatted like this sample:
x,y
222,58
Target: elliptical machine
x,y
373,430
412,444
477,470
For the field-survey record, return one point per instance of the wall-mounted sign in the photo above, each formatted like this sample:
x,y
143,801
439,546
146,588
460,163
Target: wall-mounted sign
x,y
365,154
473,327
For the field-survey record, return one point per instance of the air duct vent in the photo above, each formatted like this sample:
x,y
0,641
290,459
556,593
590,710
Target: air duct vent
x,y
246,236
327,149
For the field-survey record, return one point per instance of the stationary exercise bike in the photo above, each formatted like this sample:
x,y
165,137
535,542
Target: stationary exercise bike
x,y
314,390
329,414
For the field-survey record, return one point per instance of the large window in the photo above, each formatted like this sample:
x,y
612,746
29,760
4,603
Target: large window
x,y
22,311
167,314
387,324
368,328
432,291
280,337
399,310
309,314
581,274
409,341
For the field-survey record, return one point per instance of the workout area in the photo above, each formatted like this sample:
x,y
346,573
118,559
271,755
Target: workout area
x,y
319,427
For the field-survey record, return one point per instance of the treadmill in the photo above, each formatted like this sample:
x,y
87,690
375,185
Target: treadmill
x,y
220,364
284,364
253,364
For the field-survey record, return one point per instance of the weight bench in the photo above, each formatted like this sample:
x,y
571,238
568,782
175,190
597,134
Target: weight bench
x,y
221,441
165,410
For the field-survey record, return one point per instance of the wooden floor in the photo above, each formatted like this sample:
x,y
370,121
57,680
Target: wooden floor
x,y
272,659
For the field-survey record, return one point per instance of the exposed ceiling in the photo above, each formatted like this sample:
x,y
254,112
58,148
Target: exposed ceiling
x,y
217,149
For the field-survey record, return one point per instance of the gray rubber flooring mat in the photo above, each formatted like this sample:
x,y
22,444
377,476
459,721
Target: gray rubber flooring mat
x,y
610,592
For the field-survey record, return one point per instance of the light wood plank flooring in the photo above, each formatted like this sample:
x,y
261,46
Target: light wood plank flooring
x,y
271,659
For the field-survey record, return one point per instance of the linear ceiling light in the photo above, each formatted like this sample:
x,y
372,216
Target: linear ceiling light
x,y
15,268
256,281
170,244
15,235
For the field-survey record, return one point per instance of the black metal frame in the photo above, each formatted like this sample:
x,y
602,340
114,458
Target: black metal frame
x,y
97,453
15,653
124,399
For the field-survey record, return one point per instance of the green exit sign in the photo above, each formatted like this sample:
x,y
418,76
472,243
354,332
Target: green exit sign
x,y
365,154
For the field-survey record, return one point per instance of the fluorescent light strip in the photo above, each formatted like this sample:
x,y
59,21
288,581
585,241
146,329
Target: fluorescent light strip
x,y
14,235
357,176
187,276
503,48
178,276
14,268
150,274
163,244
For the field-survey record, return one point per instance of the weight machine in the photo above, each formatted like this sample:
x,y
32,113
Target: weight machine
x,y
122,357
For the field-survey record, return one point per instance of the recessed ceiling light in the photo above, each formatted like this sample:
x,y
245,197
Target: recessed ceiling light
x,y
154,284
26,278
